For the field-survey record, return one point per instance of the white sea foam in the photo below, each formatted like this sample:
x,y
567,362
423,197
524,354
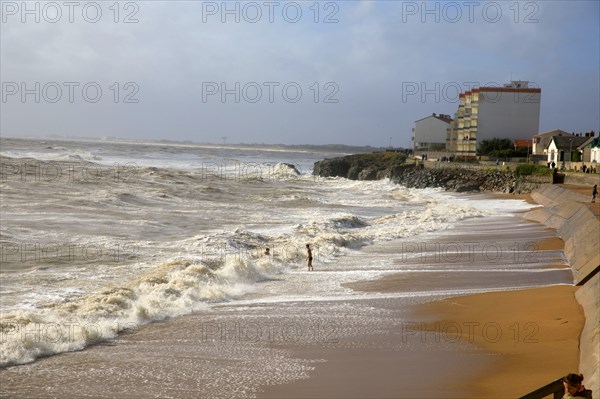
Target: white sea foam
x,y
229,267
168,290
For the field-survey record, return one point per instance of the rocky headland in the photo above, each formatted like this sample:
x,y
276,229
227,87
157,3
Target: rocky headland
x,y
450,176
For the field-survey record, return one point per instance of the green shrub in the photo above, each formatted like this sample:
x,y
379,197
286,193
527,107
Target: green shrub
x,y
532,169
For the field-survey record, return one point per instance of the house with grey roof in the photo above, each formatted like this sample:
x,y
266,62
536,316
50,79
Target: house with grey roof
x,y
540,141
564,148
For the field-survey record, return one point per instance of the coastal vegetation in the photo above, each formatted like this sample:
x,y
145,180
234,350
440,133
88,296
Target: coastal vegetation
x,y
533,169
501,148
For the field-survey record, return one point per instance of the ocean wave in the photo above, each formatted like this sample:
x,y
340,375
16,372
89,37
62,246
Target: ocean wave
x,y
204,235
77,156
171,289
53,154
350,221
287,170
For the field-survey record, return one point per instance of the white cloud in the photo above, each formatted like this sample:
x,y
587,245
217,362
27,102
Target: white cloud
x,y
369,53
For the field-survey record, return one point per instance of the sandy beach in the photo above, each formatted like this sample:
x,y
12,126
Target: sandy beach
x,y
540,344
482,341
528,337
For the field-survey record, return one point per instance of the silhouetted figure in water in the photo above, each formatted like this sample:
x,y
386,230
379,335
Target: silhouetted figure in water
x,y
309,257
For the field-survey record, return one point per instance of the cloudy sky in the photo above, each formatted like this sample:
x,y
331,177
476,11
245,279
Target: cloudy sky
x,y
305,72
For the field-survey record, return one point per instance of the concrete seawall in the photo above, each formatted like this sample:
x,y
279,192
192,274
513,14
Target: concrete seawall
x,y
577,223
581,178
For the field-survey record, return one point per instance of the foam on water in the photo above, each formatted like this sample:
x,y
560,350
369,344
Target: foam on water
x,y
482,201
176,240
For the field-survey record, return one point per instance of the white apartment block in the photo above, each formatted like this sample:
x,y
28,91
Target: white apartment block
x,y
484,113
430,132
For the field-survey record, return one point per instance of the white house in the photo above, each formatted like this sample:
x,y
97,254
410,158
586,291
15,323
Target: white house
x,y
541,140
595,155
593,146
560,147
430,132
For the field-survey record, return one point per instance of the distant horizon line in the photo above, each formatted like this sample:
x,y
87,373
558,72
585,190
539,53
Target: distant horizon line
x,y
115,139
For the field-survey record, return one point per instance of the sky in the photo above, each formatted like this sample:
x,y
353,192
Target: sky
x,y
286,72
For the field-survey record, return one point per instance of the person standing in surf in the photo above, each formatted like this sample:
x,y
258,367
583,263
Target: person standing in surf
x,y
309,257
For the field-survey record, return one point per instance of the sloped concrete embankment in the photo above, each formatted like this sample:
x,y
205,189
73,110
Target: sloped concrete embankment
x,y
571,214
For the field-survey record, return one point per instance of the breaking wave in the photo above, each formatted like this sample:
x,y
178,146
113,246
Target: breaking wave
x,y
202,233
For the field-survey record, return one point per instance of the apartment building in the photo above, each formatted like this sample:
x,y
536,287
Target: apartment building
x,y
430,132
484,113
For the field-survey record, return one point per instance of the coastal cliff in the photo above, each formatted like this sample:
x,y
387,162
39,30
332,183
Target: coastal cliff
x,y
452,177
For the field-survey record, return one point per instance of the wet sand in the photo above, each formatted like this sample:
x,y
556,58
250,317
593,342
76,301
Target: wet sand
x,y
477,343
534,333
528,337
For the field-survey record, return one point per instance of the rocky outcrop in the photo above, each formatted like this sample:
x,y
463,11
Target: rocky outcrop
x,y
374,166
460,179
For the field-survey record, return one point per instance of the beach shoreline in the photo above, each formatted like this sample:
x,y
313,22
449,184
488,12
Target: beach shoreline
x,y
523,339
479,345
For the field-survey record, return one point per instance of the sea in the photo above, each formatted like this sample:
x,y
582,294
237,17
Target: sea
x,y
108,246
